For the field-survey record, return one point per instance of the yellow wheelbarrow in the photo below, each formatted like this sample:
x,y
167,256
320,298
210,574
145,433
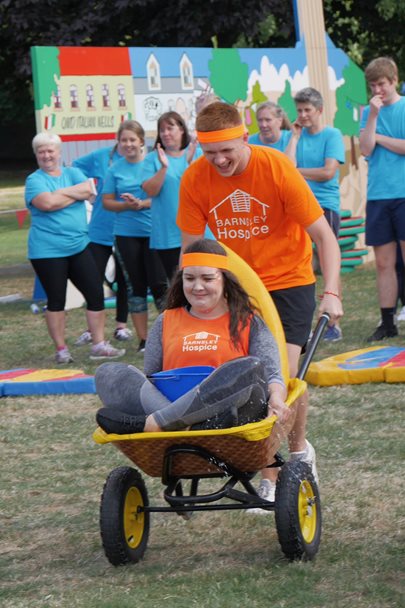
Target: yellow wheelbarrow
x,y
183,458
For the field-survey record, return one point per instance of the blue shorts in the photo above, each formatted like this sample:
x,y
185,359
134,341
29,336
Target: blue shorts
x,y
333,220
385,221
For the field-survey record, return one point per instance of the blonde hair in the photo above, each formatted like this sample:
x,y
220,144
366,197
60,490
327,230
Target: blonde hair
x,y
277,111
381,67
46,138
134,126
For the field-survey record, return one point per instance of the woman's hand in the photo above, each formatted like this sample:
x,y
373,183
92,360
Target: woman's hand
x,y
279,408
296,130
132,202
162,156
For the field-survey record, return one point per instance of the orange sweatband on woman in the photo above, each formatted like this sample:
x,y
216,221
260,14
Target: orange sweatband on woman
x,y
212,260
212,137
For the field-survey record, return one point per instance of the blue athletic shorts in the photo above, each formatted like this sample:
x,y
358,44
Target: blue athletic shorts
x,y
296,307
385,221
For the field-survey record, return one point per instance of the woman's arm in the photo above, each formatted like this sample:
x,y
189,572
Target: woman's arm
x,y
153,358
321,174
291,148
63,197
153,185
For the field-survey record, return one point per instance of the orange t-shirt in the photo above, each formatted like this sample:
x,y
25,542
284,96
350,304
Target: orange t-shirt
x,y
187,340
261,214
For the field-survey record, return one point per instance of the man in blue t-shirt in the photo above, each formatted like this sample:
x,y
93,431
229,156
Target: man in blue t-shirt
x,y
382,141
317,152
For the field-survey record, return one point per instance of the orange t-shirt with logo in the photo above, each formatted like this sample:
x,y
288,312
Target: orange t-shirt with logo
x,y
187,340
261,214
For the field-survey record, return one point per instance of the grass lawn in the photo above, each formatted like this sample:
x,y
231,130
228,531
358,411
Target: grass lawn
x,y
53,474
12,188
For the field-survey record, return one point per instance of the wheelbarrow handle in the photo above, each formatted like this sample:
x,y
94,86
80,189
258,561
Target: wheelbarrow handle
x,y
313,344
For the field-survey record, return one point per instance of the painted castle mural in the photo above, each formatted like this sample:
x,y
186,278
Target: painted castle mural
x,y
83,93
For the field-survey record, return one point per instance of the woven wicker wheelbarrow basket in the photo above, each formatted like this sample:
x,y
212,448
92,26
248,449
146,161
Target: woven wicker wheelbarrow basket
x,y
182,459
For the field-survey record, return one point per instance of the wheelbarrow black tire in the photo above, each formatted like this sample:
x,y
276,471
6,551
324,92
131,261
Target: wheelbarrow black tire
x,y
298,511
124,530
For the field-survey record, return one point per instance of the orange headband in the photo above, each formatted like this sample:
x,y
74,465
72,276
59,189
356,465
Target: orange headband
x,y
212,260
212,137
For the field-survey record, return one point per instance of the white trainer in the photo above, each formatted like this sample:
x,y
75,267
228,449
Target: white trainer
x,y
308,456
84,338
104,350
63,356
266,490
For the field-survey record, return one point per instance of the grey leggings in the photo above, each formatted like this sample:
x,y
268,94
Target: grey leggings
x,y
238,386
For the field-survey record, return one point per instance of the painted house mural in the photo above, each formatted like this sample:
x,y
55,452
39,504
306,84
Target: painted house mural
x,y
83,93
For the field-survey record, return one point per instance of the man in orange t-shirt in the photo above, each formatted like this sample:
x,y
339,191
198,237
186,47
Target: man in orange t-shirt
x,y
256,202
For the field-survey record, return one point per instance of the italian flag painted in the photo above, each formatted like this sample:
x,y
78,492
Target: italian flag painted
x,y
126,116
49,121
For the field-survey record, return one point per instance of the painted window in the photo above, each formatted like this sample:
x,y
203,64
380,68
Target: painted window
x,y
105,94
74,97
122,102
153,70
186,73
90,97
57,99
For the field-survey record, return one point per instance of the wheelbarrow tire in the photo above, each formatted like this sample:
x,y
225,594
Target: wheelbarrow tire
x,y
124,530
298,511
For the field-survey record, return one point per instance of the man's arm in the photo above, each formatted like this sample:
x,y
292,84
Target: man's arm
x,y
391,143
329,258
367,137
187,239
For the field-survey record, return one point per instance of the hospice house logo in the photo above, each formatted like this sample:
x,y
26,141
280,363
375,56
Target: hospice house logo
x,y
200,341
240,216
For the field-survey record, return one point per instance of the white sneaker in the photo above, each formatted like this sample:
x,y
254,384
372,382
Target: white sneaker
x,y
122,334
84,339
266,490
401,314
63,356
104,350
308,456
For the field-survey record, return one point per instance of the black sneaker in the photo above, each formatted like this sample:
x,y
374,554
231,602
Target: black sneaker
x,y
121,423
141,347
382,333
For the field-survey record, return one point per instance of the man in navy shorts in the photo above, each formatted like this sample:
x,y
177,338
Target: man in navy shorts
x,y
382,141
318,151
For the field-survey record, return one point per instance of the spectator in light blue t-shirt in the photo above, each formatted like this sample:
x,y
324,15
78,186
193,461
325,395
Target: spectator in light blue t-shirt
x,y
162,171
58,244
317,152
123,194
382,141
274,127
96,164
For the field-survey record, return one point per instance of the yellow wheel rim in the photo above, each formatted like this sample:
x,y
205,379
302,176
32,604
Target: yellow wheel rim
x,y
134,522
307,511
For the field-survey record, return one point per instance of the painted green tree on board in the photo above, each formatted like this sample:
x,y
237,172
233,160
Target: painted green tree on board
x,y
228,75
286,101
350,96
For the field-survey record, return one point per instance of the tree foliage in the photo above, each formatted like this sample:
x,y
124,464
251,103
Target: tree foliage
x,y
364,29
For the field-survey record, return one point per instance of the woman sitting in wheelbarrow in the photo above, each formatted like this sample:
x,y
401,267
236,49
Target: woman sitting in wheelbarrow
x,y
208,320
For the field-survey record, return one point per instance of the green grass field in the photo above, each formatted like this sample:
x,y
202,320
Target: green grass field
x,y
53,473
